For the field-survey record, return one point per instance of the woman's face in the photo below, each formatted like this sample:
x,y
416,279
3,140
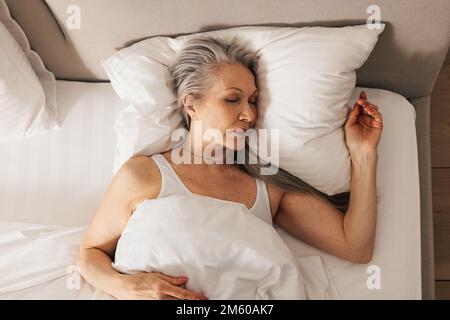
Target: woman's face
x,y
230,103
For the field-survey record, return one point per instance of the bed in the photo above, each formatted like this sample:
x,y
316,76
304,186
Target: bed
x,y
54,192
51,184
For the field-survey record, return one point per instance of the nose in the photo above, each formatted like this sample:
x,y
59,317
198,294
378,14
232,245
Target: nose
x,y
248,115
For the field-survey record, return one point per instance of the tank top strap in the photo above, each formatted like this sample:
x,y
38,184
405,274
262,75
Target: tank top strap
x,y
170,182
261,208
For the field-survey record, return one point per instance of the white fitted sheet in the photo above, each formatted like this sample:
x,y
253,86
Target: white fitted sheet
x,y
57,178
52,184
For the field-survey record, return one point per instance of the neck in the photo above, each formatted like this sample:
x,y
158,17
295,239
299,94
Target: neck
x,y
198,151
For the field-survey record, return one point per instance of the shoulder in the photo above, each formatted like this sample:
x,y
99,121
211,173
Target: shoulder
x,y
140,177
140,169
140,166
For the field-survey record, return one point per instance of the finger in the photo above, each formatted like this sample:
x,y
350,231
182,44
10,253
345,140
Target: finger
x,y
181,293
366,121
353,115
370,122
377,120
366,103
363,95
366,110
362,98
177,281
363,102
370,108
374,113
373,106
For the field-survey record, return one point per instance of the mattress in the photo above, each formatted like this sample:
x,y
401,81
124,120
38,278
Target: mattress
x,y
52,184
57,178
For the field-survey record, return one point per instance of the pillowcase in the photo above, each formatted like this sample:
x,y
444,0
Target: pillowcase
x,y
305,79
225,251
27,89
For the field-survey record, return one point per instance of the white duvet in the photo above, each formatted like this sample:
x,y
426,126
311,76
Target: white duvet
x,y
38,261
224,250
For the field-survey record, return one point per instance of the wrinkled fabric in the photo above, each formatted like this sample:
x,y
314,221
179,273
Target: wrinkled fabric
x,y
224,250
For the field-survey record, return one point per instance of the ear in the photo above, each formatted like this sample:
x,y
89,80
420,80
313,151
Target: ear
x,y
189,106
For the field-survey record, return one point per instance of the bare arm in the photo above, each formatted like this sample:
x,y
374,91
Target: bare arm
x,y
98,245
361,217
95,266
129,186
318,223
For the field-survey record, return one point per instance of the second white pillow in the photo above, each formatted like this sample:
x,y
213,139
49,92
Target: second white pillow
x,y
23,109
27,88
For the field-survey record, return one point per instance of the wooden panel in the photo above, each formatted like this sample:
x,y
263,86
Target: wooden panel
x,y
442,290
447,60
440,120
441,215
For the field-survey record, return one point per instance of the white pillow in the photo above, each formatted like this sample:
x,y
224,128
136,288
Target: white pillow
x,y
305,79
27,89
224,250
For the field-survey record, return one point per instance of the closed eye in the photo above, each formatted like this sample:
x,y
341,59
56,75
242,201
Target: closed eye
x,y
236,101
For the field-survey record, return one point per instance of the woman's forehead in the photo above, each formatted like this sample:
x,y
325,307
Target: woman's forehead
x,y
235,78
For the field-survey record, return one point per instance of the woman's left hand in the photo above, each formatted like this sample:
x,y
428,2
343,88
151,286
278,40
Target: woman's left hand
x,y
363,127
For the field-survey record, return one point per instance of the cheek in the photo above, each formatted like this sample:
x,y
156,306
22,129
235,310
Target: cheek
x,y
255,111
226,114
220,116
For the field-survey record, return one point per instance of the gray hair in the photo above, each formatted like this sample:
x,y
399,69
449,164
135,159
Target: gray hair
x,y
195,70
196,67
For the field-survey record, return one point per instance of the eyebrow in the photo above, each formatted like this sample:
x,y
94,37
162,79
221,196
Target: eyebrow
x,y
256,91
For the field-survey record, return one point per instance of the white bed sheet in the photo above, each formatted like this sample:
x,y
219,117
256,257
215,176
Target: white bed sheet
x,y
51,186
57,178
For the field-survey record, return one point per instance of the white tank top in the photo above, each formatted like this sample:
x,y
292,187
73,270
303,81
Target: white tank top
x,y
171,184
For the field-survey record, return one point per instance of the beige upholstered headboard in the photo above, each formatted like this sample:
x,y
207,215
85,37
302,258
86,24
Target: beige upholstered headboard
x,y
406,60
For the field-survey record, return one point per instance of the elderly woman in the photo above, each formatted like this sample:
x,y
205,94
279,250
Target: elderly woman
x,y
215,85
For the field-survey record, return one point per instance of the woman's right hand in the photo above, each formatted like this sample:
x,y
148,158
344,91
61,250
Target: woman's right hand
x,y
156,286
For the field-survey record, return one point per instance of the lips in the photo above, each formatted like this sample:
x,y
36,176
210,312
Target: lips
x,y
240,130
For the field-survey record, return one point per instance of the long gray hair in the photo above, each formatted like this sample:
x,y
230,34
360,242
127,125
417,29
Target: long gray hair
x,y
194,71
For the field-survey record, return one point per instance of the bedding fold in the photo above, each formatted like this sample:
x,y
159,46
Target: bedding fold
x,y
38,262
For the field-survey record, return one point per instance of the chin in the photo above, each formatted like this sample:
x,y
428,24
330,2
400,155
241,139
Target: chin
x,y
236,145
